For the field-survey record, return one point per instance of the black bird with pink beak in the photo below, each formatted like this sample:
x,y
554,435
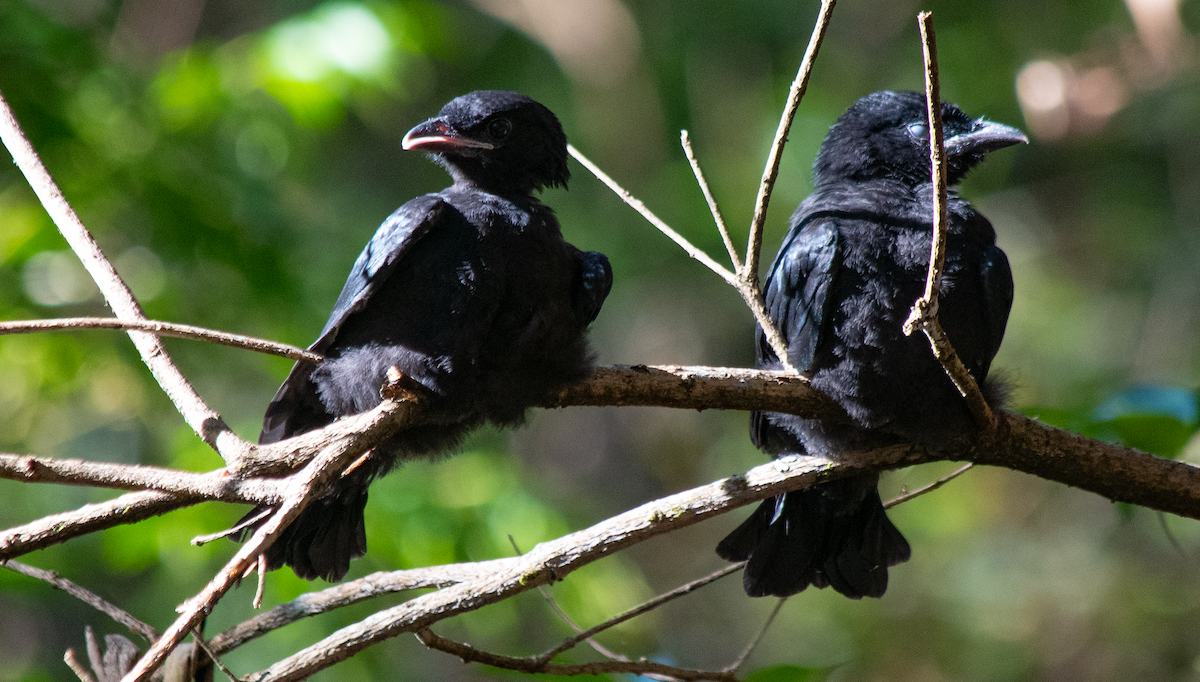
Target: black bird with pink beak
x,y
471,292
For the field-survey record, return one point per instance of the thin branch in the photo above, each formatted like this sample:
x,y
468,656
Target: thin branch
x,y
748,289
642,608
924,315
686,142
1031,447
553,560
86,596
799,86
928,488
203,420
558,611
654,220
214,485
643,667
179,331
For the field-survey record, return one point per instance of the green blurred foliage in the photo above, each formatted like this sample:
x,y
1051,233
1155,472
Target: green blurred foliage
x,y
232,158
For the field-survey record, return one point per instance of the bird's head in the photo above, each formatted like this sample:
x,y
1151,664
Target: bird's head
x,y
886,135
498,140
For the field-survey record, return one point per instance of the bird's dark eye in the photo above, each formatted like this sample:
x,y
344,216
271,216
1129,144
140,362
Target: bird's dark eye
x,y
919,130
500,128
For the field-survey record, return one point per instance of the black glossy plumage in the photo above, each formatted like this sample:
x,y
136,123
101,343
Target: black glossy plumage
x,y
471,291
840,290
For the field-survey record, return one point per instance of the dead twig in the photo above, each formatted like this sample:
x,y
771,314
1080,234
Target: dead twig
x,y
214,485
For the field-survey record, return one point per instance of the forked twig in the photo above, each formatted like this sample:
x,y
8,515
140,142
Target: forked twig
x,y
745,280
925,310
749,291
653,219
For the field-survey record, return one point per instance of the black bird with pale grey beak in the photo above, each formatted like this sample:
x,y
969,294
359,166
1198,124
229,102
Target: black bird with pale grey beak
x,y
849,271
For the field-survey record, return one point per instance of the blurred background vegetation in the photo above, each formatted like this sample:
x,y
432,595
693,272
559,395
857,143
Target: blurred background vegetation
x,y
232,158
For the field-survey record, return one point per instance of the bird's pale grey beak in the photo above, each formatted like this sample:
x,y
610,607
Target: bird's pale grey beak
x,y
435,135
984,137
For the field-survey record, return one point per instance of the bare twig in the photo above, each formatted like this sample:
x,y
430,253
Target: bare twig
x,y
746,278
924,315
686,142
86,596
748,290
799,86
558,611
555,559
470,654
181,331
928,488
203,420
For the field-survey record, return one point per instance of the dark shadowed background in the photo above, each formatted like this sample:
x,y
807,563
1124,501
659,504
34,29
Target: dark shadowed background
x,y
232,158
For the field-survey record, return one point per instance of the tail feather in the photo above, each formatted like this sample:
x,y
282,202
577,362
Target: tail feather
x,y
835,534
323,539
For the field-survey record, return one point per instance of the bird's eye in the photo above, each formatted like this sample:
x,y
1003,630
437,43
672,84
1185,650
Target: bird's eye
x,y
500,128
918,130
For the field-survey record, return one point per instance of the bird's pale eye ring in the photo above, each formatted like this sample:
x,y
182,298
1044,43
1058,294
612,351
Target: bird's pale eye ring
x,y
919,130
499,128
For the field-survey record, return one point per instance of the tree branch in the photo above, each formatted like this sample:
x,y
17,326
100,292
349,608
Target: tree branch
x,y
553,560
180,331
924,315
799,87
